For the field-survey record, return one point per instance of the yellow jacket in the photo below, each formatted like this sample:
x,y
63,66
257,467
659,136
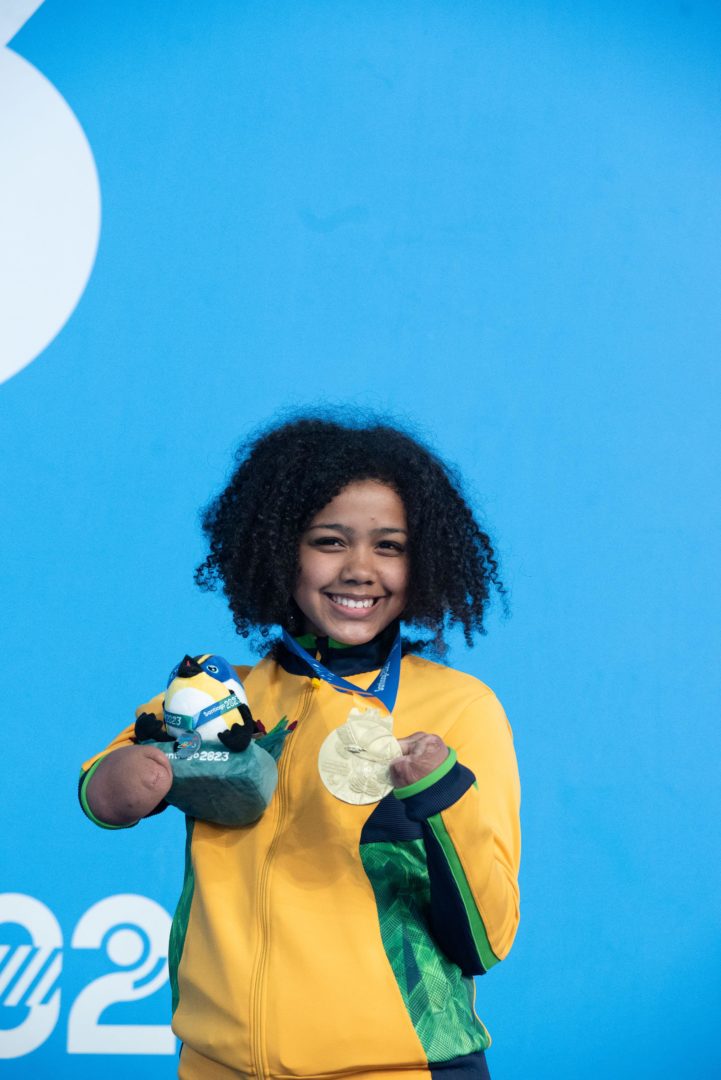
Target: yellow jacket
x,y
329,939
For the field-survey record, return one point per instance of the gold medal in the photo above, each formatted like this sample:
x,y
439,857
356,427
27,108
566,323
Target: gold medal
x,y
354,760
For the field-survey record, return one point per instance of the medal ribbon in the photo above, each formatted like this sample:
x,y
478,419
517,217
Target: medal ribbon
x,y
384,687
208,713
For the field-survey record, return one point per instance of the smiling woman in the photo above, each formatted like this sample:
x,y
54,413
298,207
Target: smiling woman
x,y
289,478
397,792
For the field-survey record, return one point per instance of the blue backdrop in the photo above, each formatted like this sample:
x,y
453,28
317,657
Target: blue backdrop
x,y
500,221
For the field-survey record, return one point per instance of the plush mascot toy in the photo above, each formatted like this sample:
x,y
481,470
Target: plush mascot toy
x,y
220,773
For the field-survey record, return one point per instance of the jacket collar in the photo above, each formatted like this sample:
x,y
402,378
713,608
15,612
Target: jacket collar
x,y
341,659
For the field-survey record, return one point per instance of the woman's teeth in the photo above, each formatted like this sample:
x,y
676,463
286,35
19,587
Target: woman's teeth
x,y
346,601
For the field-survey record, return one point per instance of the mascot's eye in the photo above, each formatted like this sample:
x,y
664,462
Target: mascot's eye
x,y
212,669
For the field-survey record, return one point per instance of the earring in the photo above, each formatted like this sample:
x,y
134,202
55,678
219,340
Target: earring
x,y
293,621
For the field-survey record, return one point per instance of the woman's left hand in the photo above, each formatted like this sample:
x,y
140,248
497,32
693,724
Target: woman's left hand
x,y
422,753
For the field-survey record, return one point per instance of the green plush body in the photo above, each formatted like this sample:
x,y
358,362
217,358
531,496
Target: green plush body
x,y
220,786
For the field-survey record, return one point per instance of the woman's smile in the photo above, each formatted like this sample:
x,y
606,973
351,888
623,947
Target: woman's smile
x,y
355,603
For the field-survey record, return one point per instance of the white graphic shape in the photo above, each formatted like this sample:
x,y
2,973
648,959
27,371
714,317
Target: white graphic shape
x,y
44,930
49,204
13,16
105,925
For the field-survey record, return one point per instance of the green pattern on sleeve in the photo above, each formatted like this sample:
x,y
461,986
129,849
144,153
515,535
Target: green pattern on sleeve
x,y
182,913
475,922
439,999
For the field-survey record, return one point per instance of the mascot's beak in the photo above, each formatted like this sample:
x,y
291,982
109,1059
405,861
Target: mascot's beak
x,y
188,668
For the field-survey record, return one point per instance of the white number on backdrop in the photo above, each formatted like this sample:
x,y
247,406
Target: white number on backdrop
x,y
142,947
133,932
29,973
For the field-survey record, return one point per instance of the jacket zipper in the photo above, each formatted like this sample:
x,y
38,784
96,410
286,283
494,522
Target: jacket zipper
x,y
258,981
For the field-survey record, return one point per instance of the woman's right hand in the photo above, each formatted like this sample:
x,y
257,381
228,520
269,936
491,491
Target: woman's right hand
x,y
128,784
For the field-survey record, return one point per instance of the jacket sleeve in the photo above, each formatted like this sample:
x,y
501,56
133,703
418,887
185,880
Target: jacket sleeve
x,y
125,738
468,809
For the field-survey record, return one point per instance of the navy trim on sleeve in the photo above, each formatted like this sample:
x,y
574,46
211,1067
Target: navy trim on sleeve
x,y
448,918
389,821
468,1067
441,795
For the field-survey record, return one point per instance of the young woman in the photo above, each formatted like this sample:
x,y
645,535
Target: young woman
x,y
338,935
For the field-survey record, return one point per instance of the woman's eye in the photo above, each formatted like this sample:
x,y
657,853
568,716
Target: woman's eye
x,y
326,541
391,545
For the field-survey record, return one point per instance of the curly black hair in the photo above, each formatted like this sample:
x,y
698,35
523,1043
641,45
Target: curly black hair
x,y
288,473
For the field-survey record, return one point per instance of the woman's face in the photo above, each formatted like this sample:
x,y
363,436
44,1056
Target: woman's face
x,y
353,575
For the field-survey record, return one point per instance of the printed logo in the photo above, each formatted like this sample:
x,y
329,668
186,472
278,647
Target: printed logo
x,y
131,930
188,745
29,974
174,719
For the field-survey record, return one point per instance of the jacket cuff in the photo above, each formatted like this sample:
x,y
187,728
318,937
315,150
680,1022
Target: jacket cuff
x,y
85,779
437,791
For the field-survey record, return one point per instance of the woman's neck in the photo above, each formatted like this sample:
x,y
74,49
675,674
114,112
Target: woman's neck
x,y
341,659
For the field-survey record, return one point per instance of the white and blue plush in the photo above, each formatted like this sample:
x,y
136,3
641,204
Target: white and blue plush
x,y
205,695
220,773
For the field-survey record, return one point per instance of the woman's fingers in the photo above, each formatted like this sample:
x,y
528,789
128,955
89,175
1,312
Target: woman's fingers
x,y
422,753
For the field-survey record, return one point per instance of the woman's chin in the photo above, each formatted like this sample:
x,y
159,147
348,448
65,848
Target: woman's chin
x,y
353,635
347,630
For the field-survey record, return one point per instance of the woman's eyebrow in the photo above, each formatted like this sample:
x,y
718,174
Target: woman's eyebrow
x,y
332,525
351,532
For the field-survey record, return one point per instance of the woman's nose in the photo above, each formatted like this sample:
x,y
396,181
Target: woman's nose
x,y
358,568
